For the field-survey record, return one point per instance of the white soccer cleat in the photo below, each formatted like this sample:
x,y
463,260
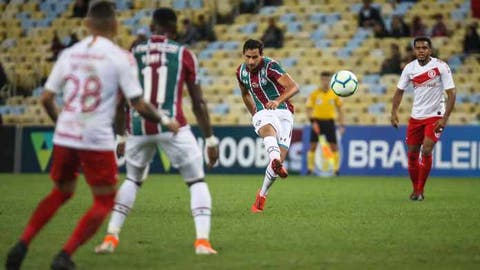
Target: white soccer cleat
x,y
108,245
203,247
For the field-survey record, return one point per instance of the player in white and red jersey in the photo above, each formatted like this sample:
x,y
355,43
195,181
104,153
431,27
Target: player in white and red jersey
x,y
430,78
165,66
92,75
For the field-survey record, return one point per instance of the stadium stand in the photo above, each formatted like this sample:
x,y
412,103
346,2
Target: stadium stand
x,y
318,35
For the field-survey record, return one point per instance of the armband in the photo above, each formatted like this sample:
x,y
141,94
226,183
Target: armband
x,y
211,141
165,119
121,138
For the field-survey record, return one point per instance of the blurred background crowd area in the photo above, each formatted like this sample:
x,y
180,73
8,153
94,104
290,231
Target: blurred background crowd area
x,y
370,38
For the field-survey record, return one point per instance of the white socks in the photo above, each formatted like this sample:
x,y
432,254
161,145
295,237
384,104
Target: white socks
x,y
273,152
123,203
200,200
272,148
201,205
270,177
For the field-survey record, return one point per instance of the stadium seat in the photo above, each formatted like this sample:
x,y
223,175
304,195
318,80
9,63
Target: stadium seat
x,y
317,35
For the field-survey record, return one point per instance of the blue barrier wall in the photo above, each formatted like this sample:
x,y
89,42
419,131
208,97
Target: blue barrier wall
x,y
241,151
367,150
381,150
7,148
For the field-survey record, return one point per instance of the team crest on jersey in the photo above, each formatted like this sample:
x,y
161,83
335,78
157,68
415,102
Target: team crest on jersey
x,y
244,73
263,81
165,112
431,73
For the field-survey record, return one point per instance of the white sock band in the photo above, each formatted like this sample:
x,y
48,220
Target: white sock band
x,y
272,148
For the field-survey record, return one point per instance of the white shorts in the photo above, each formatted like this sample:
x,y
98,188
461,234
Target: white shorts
x,y
282,122
181,149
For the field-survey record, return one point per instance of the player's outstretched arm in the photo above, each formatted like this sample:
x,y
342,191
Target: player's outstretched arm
x,y
200,109
147,111
48,101
397,99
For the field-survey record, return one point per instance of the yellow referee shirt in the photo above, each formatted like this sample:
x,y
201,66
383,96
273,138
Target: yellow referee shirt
x,y
323,104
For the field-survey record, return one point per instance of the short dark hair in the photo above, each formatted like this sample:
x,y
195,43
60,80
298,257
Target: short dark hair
x,y
426,39
164,17
325,74
101,10
253,44
102,14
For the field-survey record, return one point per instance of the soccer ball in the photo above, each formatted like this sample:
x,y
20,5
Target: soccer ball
x,y
344,83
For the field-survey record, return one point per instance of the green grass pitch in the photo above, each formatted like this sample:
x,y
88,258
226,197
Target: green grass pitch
x,y
309,223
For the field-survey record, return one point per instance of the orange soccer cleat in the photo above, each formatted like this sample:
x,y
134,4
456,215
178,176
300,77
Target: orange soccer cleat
x,y
203,247
278,168
110,242
259,203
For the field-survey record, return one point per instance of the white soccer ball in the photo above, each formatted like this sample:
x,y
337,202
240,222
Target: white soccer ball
x,y
344,83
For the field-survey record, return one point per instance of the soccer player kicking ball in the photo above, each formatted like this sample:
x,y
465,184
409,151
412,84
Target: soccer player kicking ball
x,y
166,66
90,74
266,90
430,77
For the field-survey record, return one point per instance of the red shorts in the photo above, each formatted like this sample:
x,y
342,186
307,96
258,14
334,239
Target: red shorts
x,y
99,167
418,129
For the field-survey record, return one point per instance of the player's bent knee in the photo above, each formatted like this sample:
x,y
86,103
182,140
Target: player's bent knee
x,y
65,196
136,174
192,171
66,186
267,130
427,150
104,203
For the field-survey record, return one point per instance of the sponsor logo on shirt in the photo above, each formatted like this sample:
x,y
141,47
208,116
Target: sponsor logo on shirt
x,y
430,85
